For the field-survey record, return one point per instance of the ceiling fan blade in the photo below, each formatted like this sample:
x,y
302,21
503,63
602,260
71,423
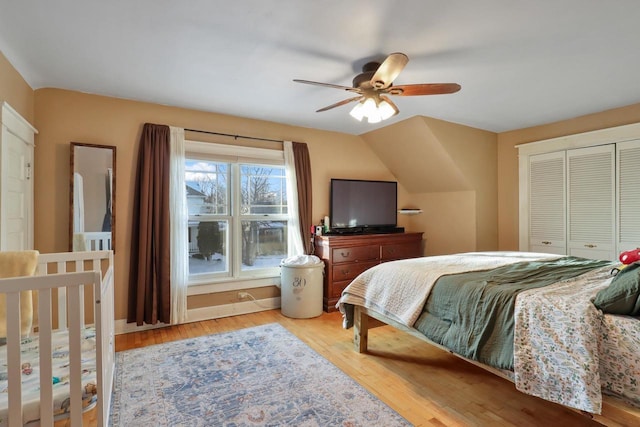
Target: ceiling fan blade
x,y
424,89
389,70
309,82
338,104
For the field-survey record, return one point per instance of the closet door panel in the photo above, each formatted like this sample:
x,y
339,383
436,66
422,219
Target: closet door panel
x,y
547,200
628,217
591,202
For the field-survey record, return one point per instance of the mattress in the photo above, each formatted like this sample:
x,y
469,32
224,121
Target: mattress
x,y
31,375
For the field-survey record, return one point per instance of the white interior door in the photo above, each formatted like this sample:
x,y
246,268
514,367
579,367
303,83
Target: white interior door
x,y
16,193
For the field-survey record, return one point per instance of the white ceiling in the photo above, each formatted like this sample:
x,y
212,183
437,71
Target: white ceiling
x,y
520,62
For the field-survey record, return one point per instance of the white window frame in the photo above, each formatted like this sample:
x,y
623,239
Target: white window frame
x,y
235,279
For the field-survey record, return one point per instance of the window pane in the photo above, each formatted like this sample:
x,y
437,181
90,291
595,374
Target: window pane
x,y
208,247
264,244
207,187
263,190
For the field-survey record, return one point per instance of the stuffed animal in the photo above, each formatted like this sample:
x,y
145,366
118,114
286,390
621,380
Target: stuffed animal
x,y
629,257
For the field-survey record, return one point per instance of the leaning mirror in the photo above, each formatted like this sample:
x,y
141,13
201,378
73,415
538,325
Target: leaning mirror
x,y
92,197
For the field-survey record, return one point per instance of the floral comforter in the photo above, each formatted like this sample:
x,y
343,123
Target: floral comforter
x,y
31,375
620,358
569,352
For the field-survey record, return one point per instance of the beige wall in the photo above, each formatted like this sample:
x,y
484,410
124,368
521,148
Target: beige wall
x,y
449,221
450,172
508,160
65,116
15,91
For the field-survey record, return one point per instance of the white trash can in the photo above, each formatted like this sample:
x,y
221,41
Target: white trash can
x,y
301,286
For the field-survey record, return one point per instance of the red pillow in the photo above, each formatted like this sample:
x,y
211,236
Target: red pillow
x,y
629,257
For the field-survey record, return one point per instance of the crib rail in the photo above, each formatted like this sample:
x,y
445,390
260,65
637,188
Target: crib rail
x,y
65,262
105,336
92,241
93,271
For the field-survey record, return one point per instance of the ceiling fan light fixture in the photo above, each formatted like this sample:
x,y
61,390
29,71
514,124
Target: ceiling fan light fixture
x,y
375,118
357,112
370,107
386,110
375,110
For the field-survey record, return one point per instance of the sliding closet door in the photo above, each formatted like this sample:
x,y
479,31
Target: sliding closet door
x,y
628,160
591,202
547,200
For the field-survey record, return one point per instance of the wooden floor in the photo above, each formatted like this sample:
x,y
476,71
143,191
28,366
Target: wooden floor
x,y
424,384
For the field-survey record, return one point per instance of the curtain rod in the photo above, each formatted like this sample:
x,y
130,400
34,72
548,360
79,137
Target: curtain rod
x,y
234,136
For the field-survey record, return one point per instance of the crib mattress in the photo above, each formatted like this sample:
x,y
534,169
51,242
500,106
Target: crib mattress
x,y
31,375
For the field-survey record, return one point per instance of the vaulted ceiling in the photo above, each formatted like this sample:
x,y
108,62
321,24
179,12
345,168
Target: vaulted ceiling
x,y
520,63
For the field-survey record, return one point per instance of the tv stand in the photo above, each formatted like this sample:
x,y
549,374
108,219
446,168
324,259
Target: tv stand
x,y
364,230
346,256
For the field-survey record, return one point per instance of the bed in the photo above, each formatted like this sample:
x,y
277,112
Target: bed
x,y
62,365
527,317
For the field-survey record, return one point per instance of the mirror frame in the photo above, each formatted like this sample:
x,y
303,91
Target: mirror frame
x,y
113,190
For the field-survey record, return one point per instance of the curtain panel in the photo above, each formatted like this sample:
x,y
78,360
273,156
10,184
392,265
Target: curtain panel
x,y
179,222
294,237
303,181
149,274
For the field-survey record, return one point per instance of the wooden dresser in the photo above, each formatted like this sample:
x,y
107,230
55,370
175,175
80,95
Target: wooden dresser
x,y
349,255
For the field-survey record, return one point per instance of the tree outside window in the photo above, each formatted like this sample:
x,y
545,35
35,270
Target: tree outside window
x,y
263,195
258,224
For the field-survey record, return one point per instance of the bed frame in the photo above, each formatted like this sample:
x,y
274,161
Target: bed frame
x,y
613,409
60,283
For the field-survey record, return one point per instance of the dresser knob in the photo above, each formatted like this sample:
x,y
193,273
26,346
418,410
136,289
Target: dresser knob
x,y
345,272
546,243
345,255
590,246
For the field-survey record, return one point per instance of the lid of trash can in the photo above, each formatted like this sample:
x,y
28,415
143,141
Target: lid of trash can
x,y
300,260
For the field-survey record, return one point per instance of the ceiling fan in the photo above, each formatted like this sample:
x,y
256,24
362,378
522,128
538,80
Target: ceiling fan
x,y
375,82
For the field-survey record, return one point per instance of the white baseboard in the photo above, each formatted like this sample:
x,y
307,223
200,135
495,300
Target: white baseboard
x,y
235,309
206,313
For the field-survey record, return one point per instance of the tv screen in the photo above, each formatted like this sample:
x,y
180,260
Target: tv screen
x,y
363,204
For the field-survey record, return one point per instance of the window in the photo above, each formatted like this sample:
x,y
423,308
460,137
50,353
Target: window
x,y
238,215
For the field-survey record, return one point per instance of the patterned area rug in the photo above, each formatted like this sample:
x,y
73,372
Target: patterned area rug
x,y
260,376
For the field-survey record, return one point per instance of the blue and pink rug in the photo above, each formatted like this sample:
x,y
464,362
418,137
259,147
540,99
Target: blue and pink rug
x,y
260,376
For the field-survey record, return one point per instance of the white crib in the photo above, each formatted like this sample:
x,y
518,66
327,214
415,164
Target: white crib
x,y
69,289
92,241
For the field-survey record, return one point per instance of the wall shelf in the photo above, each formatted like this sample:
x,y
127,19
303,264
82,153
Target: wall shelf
x,y
409,211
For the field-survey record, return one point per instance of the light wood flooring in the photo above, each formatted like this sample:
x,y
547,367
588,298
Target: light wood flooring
x,y
426,385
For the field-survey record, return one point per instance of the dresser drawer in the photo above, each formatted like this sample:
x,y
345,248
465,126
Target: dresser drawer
x,y
338,287
356,253
400,251
350,271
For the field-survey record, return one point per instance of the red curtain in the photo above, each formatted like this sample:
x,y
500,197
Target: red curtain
x,y
303,179
149,275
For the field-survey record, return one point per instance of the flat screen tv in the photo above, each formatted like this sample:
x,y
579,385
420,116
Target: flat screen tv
x,y
363,206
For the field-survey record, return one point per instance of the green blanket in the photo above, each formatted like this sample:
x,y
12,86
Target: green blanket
x,y
472,313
